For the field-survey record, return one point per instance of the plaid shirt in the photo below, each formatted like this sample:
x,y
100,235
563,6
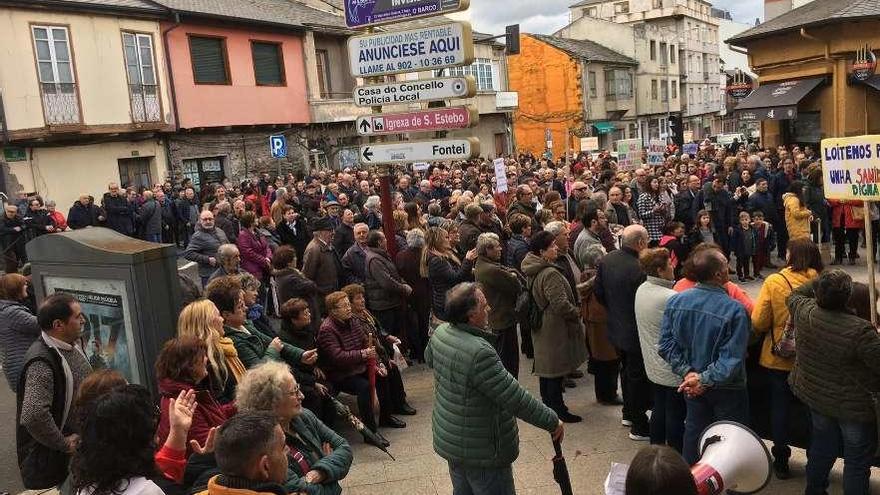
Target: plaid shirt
x,y
653,221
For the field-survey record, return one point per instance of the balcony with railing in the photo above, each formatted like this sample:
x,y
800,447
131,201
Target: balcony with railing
x,y
60,103
145,106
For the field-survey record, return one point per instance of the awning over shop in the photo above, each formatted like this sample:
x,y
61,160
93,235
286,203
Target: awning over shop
x,y
874,82
603,127
776,101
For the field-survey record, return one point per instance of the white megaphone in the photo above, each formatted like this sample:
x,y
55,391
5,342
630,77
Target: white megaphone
x,y
732,457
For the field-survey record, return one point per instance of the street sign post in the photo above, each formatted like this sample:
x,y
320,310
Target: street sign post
x,y
413,50
364,13
431,119
420,151
441,88
278,146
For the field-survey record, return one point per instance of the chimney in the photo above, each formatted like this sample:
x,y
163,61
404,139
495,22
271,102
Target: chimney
x,y
775,8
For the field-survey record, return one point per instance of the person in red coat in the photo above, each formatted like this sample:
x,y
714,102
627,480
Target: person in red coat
x,y
182,365
847,221
256,257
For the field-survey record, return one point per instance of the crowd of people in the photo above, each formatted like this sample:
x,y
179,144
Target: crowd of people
x,y
302,296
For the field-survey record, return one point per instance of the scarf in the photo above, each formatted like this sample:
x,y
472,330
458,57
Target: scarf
x,y
58,346
235,366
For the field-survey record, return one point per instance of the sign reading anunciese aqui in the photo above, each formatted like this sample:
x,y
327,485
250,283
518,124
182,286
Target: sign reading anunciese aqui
x,y
413,50
851,167
441,88
363,13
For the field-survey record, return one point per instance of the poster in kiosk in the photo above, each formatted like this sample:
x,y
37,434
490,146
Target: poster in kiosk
x,y
128,290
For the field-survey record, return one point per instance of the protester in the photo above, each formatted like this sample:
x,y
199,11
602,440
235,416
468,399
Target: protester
x,y
659,470
386,292
703,338
838,365
847,222
321,262
203,246
318,458
353,260
501,288
149,219
119,211
229,261
617,278
54,366
18,326
797,216
84,213
256,257
476,433
419,303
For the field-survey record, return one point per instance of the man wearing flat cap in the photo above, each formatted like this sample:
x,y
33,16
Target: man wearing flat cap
x,y
321,262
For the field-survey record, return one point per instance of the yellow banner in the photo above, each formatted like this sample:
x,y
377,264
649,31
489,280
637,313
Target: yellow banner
x,y
851,167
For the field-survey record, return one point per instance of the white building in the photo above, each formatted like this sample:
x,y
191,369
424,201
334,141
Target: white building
x,y
676,43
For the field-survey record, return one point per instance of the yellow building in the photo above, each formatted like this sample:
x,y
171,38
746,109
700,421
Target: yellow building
x,y
84,96
804,61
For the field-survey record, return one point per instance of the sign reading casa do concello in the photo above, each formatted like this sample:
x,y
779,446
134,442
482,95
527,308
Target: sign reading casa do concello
x,y
440,88
851,167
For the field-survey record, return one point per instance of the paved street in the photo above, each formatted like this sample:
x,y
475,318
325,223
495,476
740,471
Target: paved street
x,y
590,447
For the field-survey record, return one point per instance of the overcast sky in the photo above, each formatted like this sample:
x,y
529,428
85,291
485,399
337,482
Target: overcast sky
x,y
547,16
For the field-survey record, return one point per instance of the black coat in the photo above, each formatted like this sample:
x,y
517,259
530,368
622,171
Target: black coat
x,y
297,240
149,217
617,279
343,238
8,234
80,217
686,207
120,213
36,222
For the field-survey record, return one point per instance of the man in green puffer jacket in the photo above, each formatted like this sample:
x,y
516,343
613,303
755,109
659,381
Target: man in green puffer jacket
x,y
476,401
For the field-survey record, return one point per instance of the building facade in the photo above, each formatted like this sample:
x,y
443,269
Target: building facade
x,y
85,96
803,60
571,89
677,45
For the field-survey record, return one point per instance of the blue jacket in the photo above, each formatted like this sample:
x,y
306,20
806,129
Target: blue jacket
x,y
706,331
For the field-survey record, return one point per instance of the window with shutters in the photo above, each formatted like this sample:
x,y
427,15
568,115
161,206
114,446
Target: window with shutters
x,y
55,69
140,66
268,63
209,60
322,60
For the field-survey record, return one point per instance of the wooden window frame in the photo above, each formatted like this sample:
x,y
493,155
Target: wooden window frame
x,y
223,39
280,46
327,93
80,109
122,33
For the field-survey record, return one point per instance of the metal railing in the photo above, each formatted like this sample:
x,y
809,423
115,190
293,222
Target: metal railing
x,y
145,105
60,103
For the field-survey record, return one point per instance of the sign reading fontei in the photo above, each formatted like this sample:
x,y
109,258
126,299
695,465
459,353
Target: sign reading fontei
x,y
430,119
363,13
864,64
441,88
416,151
434,47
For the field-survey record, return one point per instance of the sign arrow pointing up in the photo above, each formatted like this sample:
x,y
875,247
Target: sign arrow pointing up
x,y
365,126
367,154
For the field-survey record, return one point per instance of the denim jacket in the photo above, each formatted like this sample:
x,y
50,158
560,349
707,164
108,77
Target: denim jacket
x,y
706,331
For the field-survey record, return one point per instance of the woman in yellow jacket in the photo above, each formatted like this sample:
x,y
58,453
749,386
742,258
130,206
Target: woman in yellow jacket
x,y
803,263
797,215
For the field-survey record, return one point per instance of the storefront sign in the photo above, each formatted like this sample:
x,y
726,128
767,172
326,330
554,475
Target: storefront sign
x,y
363,13
441,88
629,154
420,151
739,85
864,65
656,150
414,50
775,113
431,119
851,167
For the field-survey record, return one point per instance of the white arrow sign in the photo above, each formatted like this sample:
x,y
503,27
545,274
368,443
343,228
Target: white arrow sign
x,y
420,151
441,88
414,50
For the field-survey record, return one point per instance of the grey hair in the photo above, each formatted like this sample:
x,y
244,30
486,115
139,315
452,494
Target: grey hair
x,y
262,386
485,241
50,202
460,301
227,251
633,234
555,227
371,203
281,191
415,238
249,282
592,255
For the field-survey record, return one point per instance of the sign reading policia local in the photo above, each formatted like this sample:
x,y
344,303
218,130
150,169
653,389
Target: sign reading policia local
x,y
851,167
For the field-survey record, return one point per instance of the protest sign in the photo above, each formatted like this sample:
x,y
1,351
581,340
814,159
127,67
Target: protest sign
x,y
655,152
629,154
589,143
691,149
500,175
851,167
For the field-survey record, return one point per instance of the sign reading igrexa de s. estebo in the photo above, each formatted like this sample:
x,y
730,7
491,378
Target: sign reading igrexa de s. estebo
x,y
851,167
363,13
420,151
413,50
441,88
430,119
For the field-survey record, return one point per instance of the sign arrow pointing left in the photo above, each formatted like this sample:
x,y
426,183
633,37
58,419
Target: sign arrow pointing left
x,y
367,154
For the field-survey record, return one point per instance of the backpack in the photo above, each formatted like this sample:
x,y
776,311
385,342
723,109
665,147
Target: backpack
x,y
527,306
785,347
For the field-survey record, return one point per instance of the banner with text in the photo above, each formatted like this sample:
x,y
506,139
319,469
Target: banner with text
x,y
629,154
500,175
655,152
851,167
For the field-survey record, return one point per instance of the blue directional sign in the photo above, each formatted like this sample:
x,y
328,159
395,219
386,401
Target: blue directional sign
x,y
363,13
278,146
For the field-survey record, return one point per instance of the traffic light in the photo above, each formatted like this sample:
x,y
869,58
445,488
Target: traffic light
x,y
511,39
675,131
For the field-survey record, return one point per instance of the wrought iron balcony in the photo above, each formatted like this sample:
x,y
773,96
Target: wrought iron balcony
x,y
61,103
145,105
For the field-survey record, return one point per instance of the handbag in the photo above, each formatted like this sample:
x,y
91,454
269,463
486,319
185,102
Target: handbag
x,y
785,347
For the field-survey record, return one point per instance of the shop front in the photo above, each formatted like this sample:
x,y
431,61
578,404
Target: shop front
x,y
791,108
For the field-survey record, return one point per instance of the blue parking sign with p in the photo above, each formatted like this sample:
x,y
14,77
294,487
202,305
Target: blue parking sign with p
x,y
278,146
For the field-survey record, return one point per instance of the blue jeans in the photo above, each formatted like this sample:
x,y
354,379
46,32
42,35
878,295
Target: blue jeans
x,y
481,481
714,405
667,417
157,238
780,405
859,443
